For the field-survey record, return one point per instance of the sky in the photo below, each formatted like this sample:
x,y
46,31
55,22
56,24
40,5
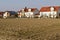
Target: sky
x,y
19,4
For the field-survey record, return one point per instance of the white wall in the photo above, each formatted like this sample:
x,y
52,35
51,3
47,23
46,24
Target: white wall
x,y
29,14
5,15
48,14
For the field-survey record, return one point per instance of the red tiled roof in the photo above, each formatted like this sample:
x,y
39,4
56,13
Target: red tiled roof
x,y
1,13
46,9
33,9
26,9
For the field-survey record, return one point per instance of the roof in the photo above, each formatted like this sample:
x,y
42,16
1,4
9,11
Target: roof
x,y
33,9
26,9
47,8
11,12
1,13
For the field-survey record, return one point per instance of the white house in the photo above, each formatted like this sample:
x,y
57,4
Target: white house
x,y
25,12
21,13
28,12
49,11
9,14
5,15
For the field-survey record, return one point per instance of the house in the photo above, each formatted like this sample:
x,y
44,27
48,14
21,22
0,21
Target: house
x,y
35,12
21,13
49,11
28,12
9,14
32,12
1,14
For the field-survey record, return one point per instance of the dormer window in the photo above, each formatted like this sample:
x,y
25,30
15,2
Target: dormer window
x,y
29,10
52,8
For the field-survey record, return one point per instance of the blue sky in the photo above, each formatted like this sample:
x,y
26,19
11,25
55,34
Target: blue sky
x,y
19,4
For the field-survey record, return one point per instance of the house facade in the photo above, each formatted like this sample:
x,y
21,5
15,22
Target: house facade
x,y
1,14
9,14
21,13
28,12
51,11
